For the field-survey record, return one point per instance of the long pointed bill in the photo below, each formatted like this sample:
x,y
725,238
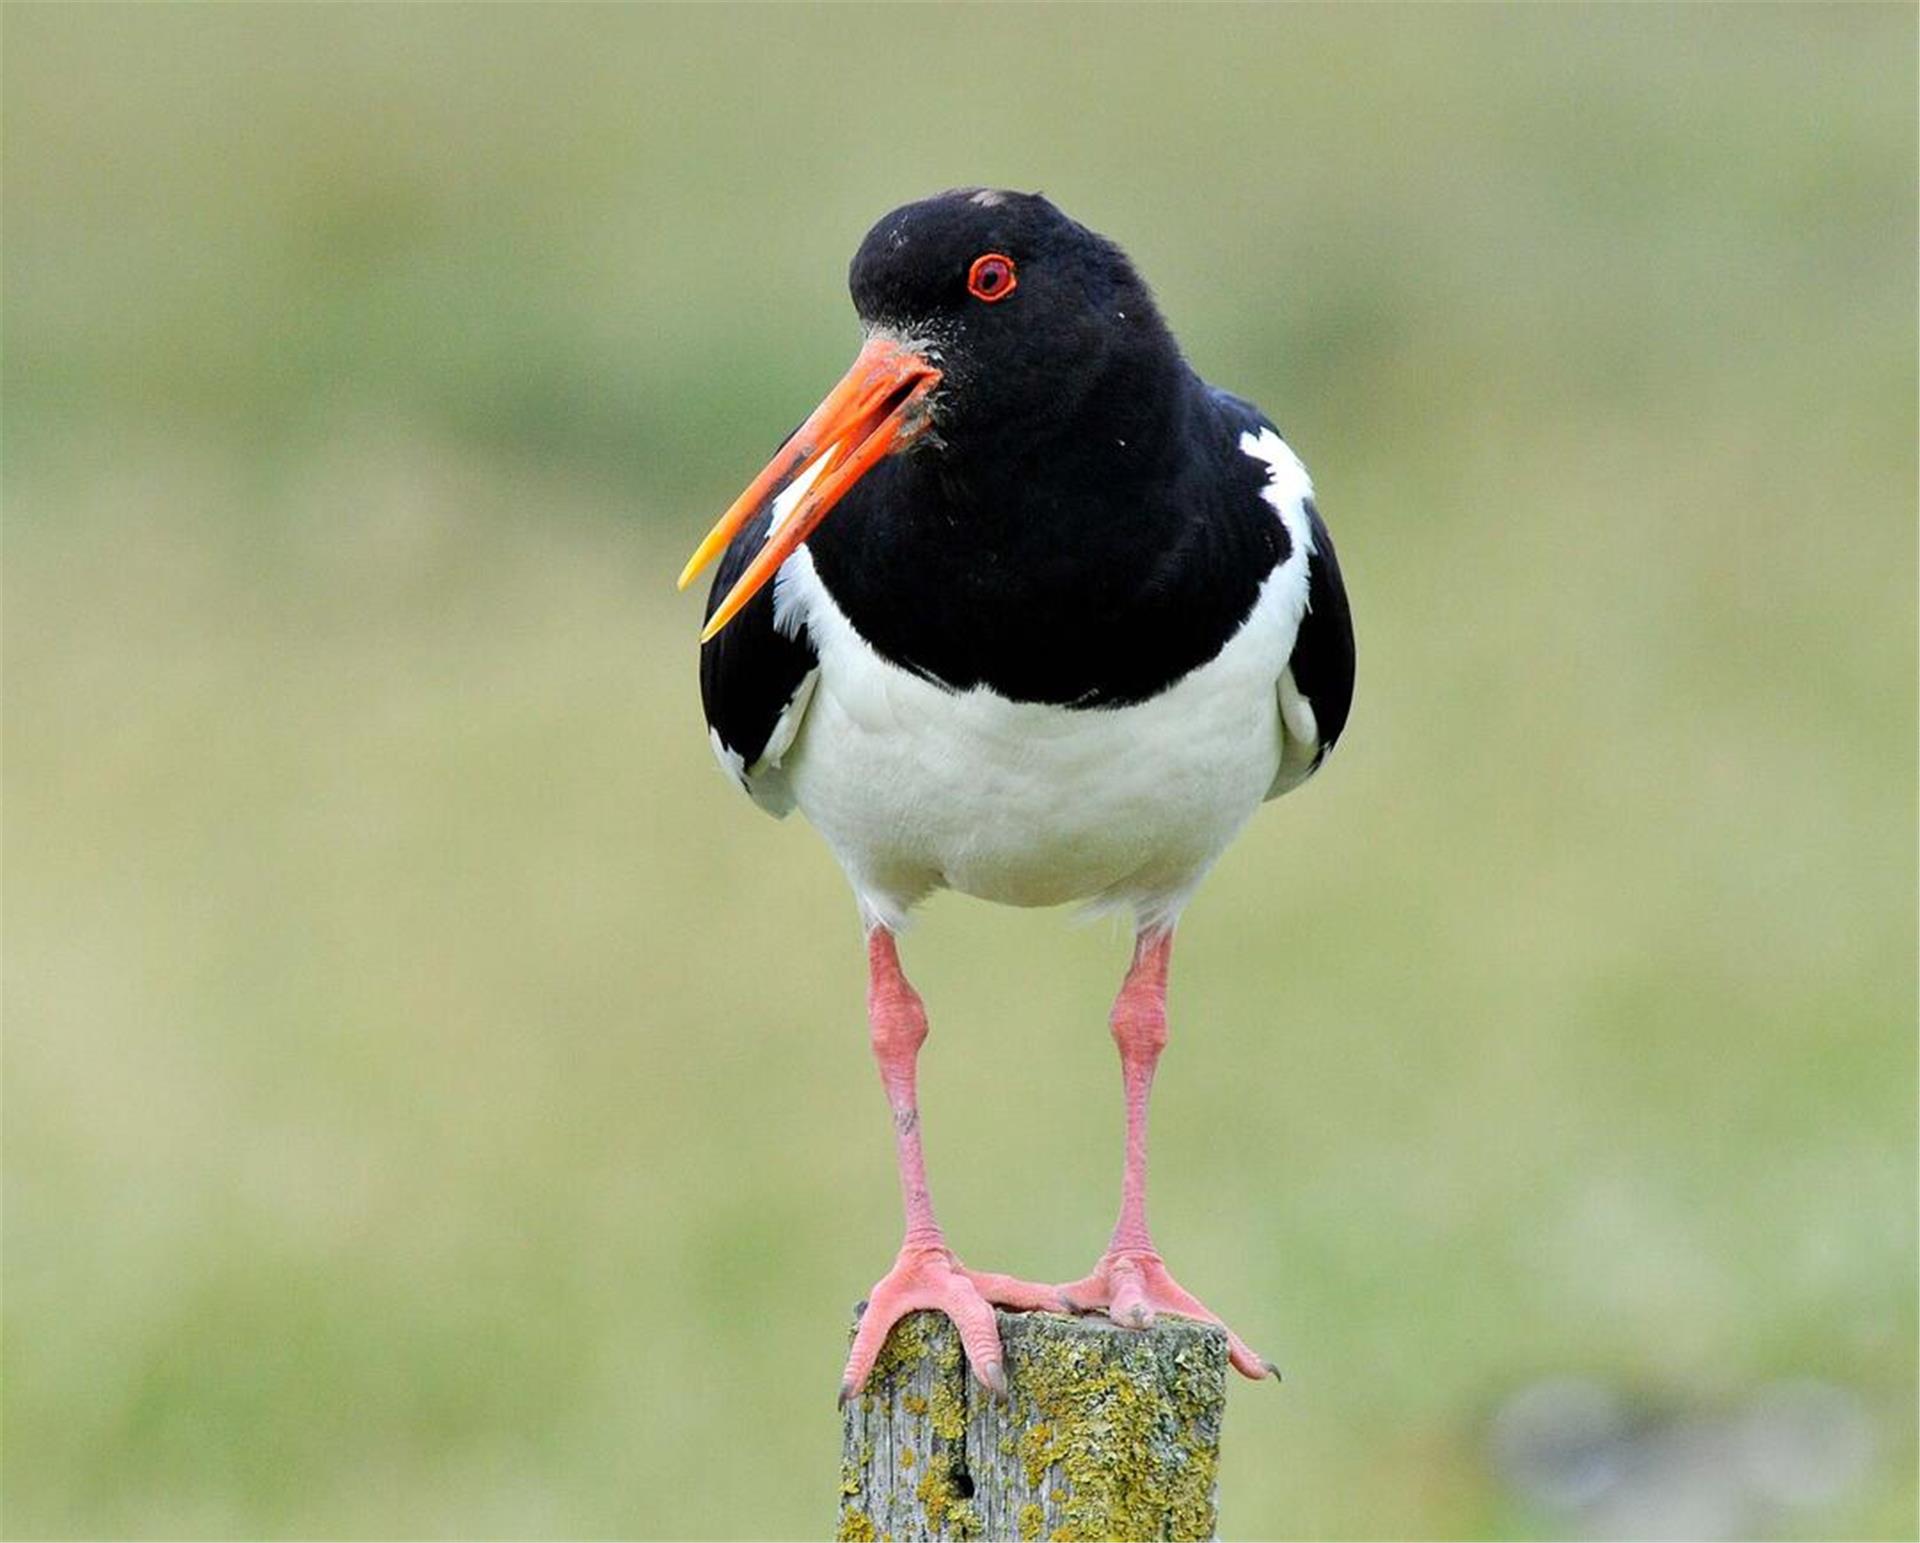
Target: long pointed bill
x,y
875,410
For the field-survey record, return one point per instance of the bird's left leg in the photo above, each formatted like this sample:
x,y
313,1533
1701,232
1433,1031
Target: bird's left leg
x,y
1130,1283
926,1274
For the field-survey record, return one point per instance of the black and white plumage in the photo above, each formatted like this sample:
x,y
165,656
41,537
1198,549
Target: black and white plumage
x,y
1060,645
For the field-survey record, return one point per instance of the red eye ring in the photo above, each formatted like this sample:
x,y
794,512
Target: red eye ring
x,y
992,277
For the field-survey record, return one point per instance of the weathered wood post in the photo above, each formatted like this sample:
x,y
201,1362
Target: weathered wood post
x,y
1107,1433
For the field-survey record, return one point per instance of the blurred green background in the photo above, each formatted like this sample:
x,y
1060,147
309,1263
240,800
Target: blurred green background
x,y
436,1103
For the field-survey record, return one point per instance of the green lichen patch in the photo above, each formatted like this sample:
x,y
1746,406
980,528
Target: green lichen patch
x,y
1129,1422
909,1342
948,1410
856,1527
1038,1452
948,1515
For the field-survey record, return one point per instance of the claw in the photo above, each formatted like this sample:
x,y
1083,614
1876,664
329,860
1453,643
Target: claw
x,y
1133,1288
929,1277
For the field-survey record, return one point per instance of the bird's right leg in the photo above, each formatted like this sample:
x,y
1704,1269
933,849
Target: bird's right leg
x,y
926,1274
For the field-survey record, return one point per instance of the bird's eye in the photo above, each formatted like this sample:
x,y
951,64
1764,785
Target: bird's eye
x,y
992,277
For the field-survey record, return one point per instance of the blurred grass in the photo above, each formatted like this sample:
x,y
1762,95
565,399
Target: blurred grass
x,y
435,1104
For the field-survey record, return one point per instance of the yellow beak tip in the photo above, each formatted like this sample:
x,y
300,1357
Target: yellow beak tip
x,y
695,565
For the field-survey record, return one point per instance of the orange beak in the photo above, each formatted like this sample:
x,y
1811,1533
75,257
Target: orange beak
x,y
875,410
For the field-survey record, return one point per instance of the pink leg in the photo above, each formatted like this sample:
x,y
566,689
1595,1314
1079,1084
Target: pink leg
x,y
926,1274
1130,1282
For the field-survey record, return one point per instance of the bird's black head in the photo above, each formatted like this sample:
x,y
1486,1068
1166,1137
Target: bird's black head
x,y
1025,312
995,325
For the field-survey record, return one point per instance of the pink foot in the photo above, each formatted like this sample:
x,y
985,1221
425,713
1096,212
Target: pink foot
x,y
1131,1286
928,1276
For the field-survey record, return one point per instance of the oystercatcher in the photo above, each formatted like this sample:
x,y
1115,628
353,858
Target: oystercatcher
x,y
1073,618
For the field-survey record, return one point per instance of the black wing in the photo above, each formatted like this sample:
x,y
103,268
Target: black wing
x,y
1322,662
754,679
1319,672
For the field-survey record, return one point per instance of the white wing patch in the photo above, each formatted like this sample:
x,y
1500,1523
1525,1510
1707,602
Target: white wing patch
x,y
1297,713
788,724
1288,485
729,759
1288,489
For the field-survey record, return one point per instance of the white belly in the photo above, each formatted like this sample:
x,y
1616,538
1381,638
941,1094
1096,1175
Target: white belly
x,y
917,788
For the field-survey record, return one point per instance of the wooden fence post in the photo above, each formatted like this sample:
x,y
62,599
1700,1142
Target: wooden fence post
x,y
1108,1433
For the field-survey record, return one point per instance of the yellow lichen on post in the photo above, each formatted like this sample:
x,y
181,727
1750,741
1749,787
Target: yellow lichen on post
x,y
1107,1433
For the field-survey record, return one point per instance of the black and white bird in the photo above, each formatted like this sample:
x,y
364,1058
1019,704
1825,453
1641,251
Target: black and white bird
x,y
1028,610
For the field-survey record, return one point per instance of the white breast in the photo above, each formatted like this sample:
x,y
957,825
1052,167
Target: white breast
x,y
917,787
